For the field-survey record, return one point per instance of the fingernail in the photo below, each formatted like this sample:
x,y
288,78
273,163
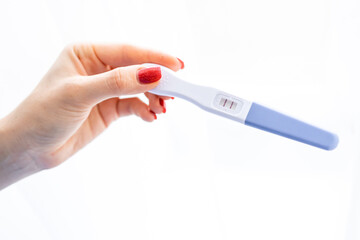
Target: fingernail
x,y
149,75
182,63
162,103
172,98
154,114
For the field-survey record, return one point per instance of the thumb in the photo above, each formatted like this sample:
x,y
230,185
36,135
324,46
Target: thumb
x,y
121,81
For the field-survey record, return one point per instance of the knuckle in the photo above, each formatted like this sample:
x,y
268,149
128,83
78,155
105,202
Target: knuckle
x,y
81,50
135,106
71,47
118,81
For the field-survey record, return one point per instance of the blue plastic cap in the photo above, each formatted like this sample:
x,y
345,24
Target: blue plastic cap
x,y
271,121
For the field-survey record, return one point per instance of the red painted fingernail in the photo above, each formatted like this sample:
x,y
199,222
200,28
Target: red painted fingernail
x,y
149,75
182,63
154,114
162,103
172,98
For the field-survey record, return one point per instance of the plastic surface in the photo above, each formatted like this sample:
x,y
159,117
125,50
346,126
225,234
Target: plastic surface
x,y
203,97
269,120
243,111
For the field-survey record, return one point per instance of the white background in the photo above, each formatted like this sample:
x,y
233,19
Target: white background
x,y
190,174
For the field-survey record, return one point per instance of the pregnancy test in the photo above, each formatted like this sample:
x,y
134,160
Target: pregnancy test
x,y
243,111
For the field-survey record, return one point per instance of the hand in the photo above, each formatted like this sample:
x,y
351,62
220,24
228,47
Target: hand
x,y
78,99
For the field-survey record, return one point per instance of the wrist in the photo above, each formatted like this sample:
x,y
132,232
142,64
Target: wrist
x,y
15,163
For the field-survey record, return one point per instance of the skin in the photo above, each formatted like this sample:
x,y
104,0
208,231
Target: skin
x,y
79,97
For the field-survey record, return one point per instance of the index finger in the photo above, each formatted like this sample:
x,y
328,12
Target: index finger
x,y
120,55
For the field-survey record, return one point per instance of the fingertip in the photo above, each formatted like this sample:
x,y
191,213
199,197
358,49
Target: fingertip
x,y
162,103
175,64
182,65
148,117
154,115
149,75
155,103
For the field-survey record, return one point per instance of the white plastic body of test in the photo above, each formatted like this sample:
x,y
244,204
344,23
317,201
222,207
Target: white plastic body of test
x,y
205,97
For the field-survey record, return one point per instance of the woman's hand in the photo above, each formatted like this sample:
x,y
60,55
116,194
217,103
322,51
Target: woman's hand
x,y
76,100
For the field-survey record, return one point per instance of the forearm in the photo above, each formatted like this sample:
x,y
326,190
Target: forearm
x,y
14,162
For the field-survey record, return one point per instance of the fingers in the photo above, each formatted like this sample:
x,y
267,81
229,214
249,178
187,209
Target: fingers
x,y
163,97
135,106
125,55
157,103
117,82
128,106
116,77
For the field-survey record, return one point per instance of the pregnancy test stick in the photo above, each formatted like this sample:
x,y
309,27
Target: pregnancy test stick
x,y
243,111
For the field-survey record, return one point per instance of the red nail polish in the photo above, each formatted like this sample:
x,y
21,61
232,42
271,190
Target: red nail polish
x,y
154,114
172,98
162,103
182,63
149,75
